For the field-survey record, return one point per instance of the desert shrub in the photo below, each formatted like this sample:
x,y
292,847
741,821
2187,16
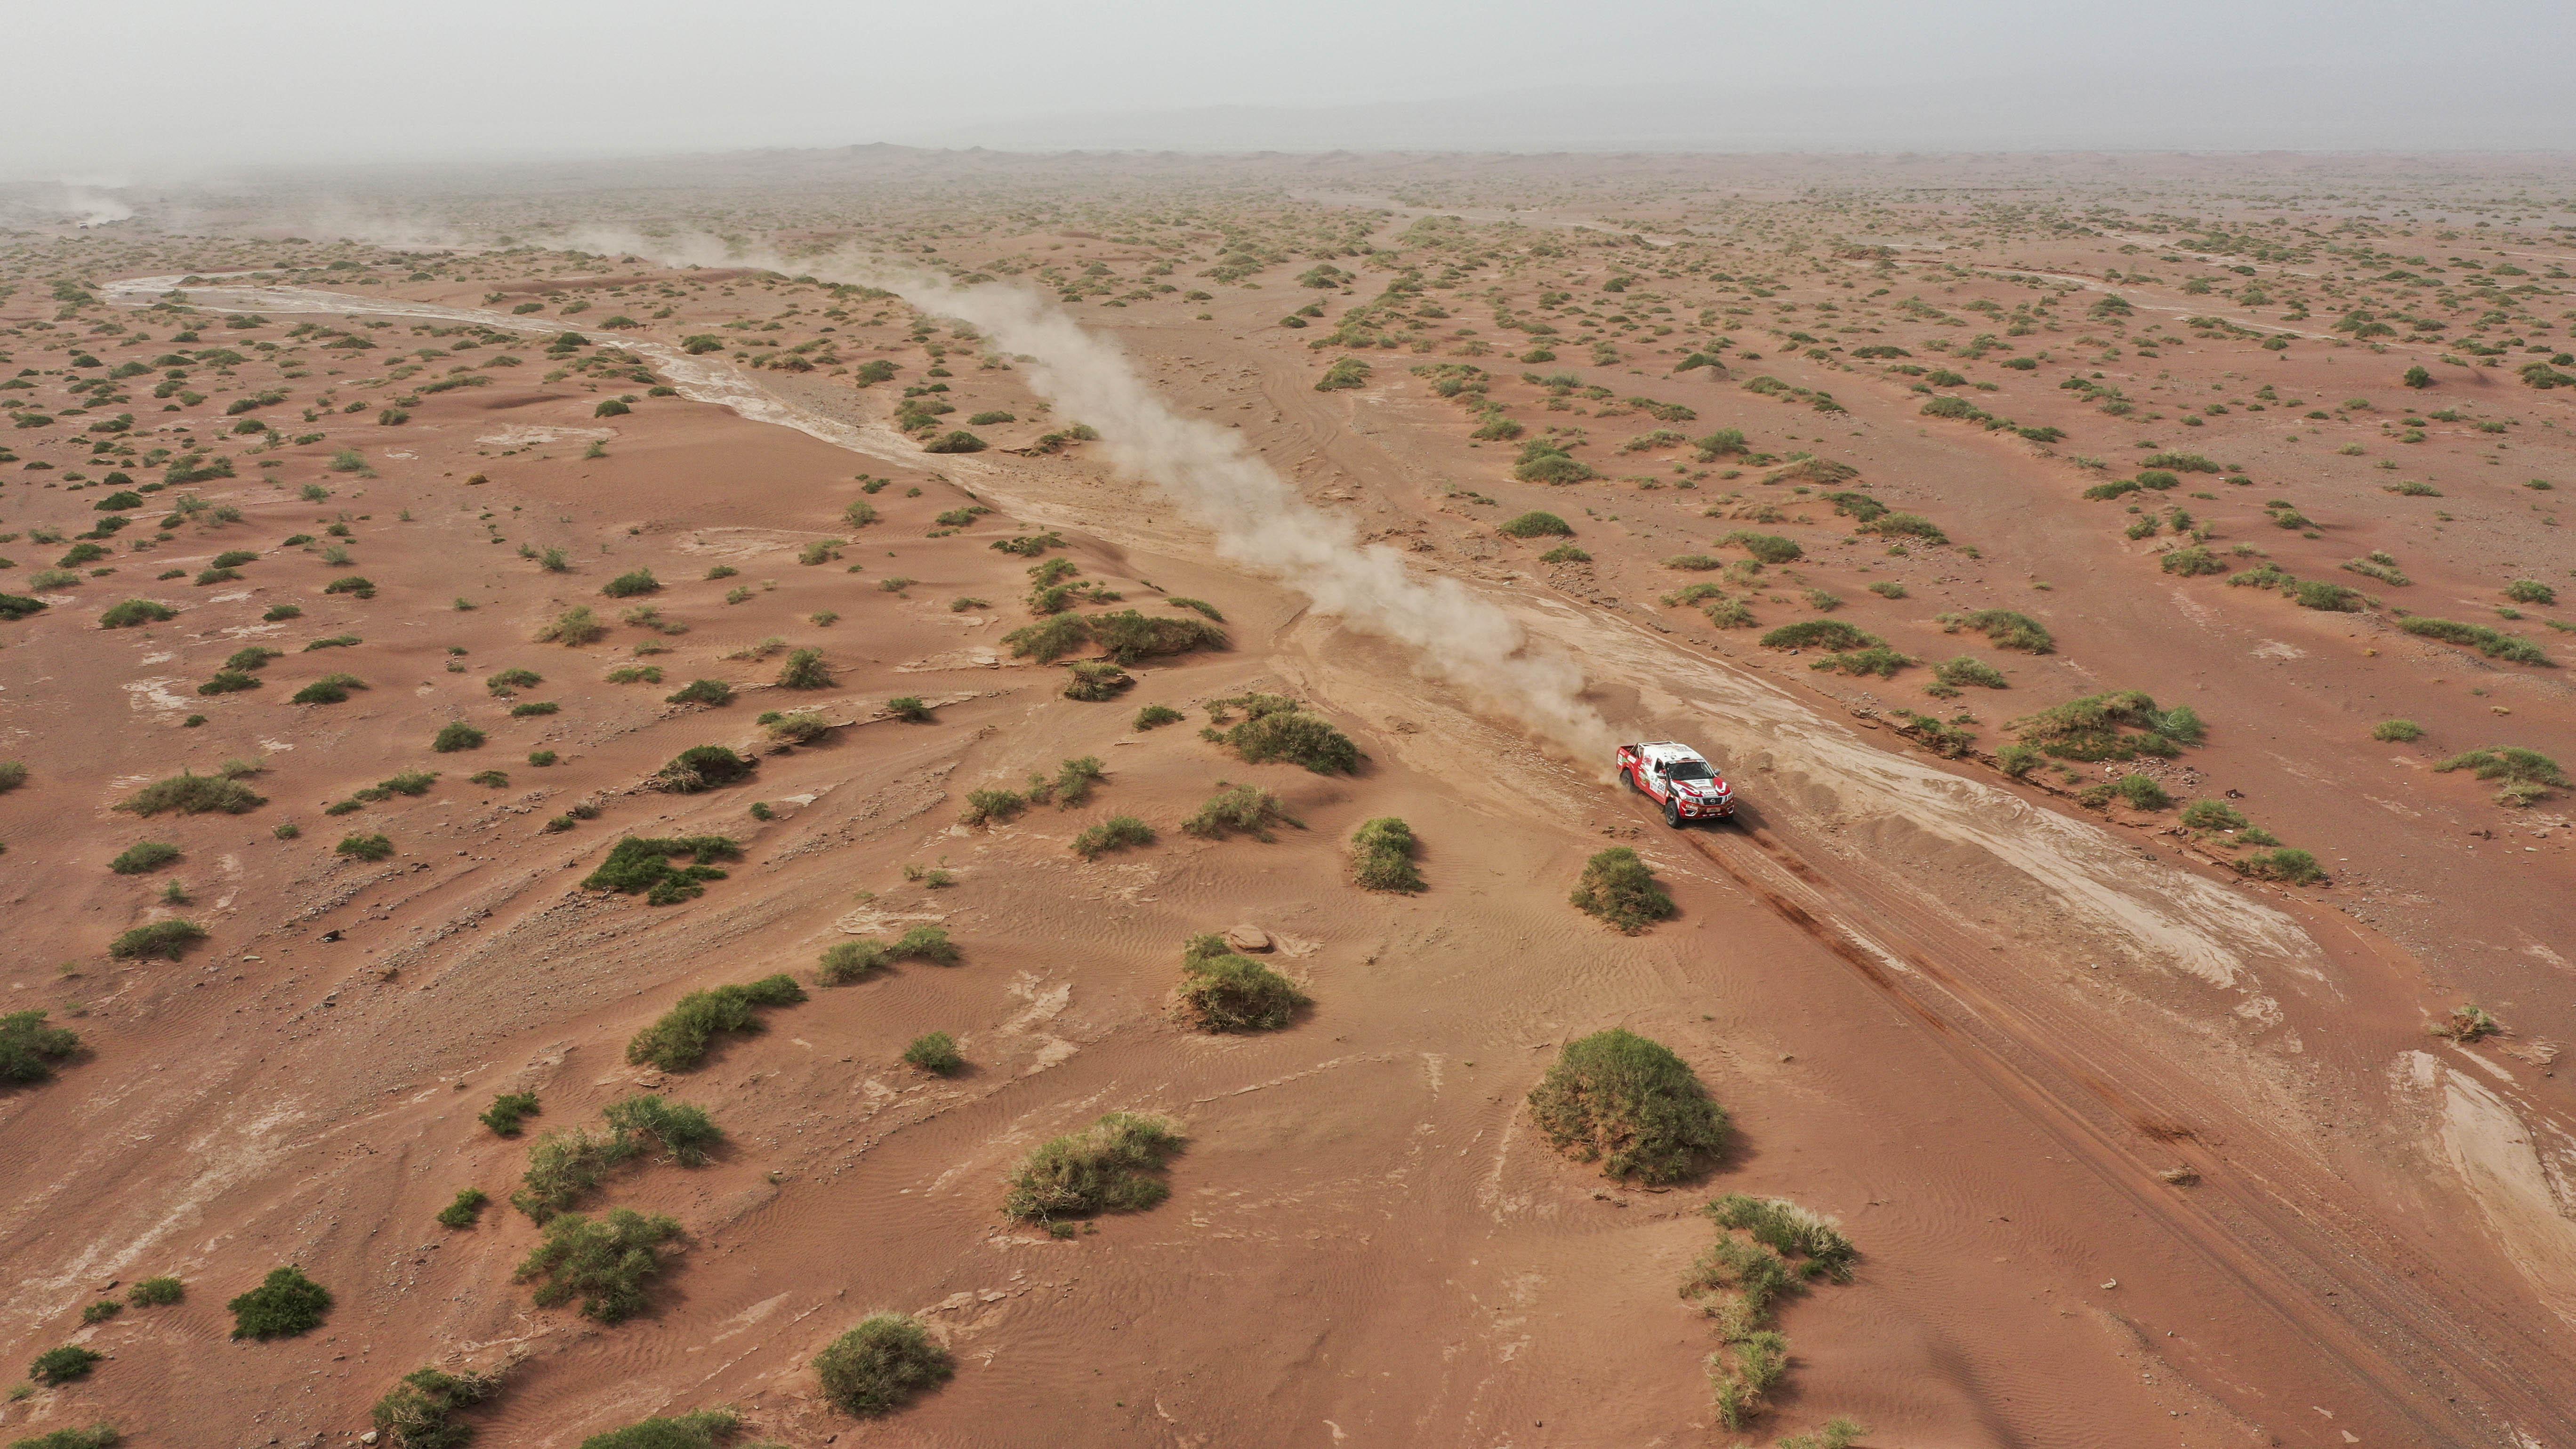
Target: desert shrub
x,y
1736,1281
63,1365
702,691
573,628
1621,888
18,606
420,1412
608,1263
704,1429
1348,373
705,767
1276,728
2465,1024
2330,597
329,689
1878,659
1129,636
795,727
1382,854
1565,553
159,941
2141,792
142,856
101,1311
13,773
638,865
29,1048
1049,639
804,669
2530,591
509,679
2527,775
877,1367
1769,548
1074,781
2003,628
2292,867
1721,443
1109,1166
2193,562
1154,716
284,1305
678,1042
506,1112
959,441
628,585
1118,832
985,807
351,584
2396,731
1544,460
2117,726
2213,815
564,1167
135,611
157,1292
365,847
1819,633
2492,643
465,1209
96,1436
1536,525
1222,991
1906,525
1632,1105
1244,808
1095,681
1969,669
909,708
935,1053
229,681
456,735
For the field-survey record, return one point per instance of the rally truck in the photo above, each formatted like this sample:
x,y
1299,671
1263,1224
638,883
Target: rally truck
x,y
1676,777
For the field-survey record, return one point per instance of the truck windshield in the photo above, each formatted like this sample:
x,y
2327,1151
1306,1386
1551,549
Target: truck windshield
x,y
1690,770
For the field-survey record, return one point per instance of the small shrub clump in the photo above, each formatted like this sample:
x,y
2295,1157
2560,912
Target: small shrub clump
x,y
2117,726
56,1366
507,1112
679,1041
1536,524
1223,991
1118,832
158,941
1382,854
704,1429
1783,1248
1621,888
157,1292
284,1305
877,1367
705,767
1244,808
187,794
1275,727
456,735
142,856
2396,731
639,865
466,1210
1631,1104
29,1048
936,1053
608,1263
846,961
421,1411
1110,1166
2527,776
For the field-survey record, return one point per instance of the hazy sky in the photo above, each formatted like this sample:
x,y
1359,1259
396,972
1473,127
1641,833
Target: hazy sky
x,y
160,89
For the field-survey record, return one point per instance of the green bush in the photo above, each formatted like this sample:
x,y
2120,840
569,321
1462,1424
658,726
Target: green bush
x,y
1629,1103
18,606
2396,731
159,941
629,585
1095,681
704,1429
1222,991
1382,854
573,628
421,1411
1109,1166
142,856
877,1367
2492,643
1118,832
804,669
456,735
1129,636
1050,639
678,1042
1820,633
1244,808
2293,867
959,441
2530,591
29,1048
1564,553
2142,792
133,612
157,1293
365,847
702,691
284,1305
935,1053
1277,728
608,1263
2003,628
1878,659
2117,726
96,1436
685,1131
639,865
705,767
1621,889
2213,815
351,584
1536,525
507,1112
2527,775
1769,548
2193,562
63,1365
13,773
1350,372
467,1207
329,689
1969,669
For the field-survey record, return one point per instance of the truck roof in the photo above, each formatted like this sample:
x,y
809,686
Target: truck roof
x,y
1669,750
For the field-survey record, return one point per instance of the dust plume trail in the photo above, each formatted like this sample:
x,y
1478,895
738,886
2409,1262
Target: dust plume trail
x,y
1259,520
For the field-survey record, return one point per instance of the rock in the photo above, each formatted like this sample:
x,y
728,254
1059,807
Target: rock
x,y
368,1437
1247,938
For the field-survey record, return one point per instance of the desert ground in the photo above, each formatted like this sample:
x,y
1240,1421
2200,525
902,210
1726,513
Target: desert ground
x,y
2127,595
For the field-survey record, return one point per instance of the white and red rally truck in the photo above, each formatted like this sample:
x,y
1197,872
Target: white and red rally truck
x,y
1677,778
